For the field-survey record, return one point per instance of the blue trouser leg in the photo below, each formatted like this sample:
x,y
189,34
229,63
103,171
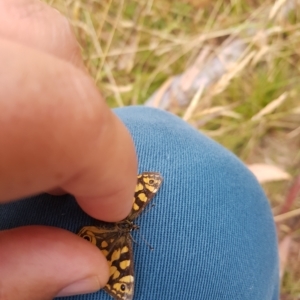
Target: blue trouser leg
x,y
211,227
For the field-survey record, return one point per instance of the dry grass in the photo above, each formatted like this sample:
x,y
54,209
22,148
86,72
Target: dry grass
x,y
249,50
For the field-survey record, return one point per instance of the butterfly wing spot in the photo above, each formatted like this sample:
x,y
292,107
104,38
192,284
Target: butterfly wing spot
x,y
116,275
139,187
124,249
125,285
127,279
115,242
116,255
88,235
142,197
112,269
104,252
104,244
124,264
88,238
113,272
152,180
151,188
135,207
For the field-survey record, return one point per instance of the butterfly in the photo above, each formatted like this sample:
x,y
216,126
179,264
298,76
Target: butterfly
x,y
115,241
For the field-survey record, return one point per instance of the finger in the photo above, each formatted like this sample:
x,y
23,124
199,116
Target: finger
x,y
57,192
35,24
42,262
57,131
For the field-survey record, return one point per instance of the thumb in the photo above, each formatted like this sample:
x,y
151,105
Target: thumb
x,y
38,262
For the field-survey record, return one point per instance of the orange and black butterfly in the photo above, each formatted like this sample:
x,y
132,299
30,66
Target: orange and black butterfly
x,y
115,241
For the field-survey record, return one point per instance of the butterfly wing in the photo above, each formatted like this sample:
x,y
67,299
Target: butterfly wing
x,y
117,248
148,184
121,280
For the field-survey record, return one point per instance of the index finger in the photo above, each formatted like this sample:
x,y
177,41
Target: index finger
x,y
57,131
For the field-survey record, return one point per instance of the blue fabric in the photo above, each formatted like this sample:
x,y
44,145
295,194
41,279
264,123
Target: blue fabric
x,y
211,226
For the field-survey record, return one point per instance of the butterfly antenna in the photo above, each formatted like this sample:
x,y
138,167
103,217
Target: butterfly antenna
x,y
149,208
145,241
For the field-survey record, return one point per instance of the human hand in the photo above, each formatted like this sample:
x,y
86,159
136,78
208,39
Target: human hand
x,y
57,134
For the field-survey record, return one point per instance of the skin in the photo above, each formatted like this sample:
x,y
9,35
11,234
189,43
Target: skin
x,y
58,135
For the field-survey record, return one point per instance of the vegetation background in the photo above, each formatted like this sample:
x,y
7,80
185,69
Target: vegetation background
x,y
228,67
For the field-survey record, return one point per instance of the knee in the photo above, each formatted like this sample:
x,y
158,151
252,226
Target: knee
x,y
212,225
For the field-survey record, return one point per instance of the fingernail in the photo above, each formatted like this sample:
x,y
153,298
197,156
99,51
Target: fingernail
x,y
85,286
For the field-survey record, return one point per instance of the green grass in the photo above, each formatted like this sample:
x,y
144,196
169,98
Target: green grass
x,y
132,47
